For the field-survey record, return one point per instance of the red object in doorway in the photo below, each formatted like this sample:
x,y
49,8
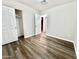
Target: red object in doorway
x,y
41,24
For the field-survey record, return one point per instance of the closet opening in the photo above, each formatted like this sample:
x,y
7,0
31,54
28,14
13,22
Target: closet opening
x,y
19,23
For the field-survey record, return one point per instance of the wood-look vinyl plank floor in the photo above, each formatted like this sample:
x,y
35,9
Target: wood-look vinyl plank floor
x,y
39,46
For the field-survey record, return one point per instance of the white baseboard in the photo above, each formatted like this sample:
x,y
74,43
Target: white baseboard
x,y
61,38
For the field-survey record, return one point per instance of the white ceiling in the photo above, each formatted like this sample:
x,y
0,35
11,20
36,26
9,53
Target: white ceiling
x,y
37,5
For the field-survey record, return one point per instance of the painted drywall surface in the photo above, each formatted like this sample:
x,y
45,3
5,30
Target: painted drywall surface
x,y
62,21
28,16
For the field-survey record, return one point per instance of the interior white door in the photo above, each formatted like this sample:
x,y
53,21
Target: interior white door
x,y
37,24
9,31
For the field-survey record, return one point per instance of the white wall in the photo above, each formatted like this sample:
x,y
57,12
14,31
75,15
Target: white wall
x,y
28,16
62,21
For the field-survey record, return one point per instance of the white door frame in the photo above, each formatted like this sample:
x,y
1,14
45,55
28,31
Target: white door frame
x,y
38,23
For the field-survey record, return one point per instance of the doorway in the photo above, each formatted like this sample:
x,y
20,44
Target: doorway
x,y
40,23
19,23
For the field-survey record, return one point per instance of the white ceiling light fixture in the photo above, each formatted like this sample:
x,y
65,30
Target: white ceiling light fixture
x,y
43,2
